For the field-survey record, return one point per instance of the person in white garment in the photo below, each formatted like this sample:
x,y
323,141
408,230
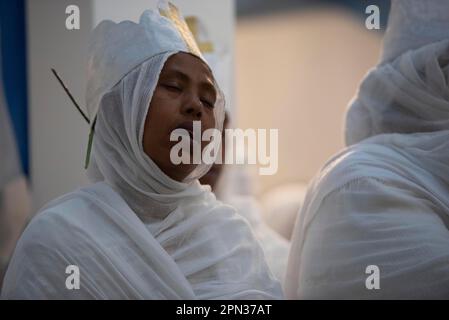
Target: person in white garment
x,y
231,185
146,228
375,222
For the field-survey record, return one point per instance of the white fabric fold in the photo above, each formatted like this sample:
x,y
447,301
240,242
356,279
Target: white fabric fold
x,y
192,254
408,95
413,24
233,188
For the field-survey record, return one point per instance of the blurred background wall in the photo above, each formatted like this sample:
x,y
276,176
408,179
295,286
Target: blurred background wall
x,y
15,204
295,65
298,64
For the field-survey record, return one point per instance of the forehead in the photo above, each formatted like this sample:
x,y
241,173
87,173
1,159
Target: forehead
x,y
189,64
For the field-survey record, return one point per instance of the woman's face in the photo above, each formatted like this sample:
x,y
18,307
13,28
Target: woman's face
x,y
185,92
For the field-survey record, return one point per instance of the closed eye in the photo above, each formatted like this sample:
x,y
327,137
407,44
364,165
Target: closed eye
x,y
172,87
208,103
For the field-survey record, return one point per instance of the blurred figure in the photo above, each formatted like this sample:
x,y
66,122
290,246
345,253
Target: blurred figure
x,y
232,186
375,222
281,205
14,198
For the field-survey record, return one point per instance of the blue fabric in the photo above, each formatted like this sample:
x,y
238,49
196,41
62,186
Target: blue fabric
x,y
13,54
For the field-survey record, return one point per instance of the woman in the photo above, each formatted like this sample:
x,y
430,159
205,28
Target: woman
x,y
375,222
146,229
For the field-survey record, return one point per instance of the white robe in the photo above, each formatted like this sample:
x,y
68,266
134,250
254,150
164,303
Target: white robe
x,y
191,254
373,204
234,187
384,201
275,247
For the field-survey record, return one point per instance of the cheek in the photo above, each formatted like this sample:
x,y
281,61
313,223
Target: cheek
x,y
209,120
155,124
148,135
160,114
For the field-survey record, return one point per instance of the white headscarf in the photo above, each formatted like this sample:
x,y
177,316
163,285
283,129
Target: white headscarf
x,y
118,156
408,91
413,24
408,95
125,62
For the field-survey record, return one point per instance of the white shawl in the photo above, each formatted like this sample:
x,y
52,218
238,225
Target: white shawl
x,y
136,233
200,251
384,200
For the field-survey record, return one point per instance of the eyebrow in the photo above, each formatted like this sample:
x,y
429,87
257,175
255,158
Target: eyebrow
x,y
185,77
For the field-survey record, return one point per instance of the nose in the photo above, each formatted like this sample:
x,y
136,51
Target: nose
x,y
192,107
